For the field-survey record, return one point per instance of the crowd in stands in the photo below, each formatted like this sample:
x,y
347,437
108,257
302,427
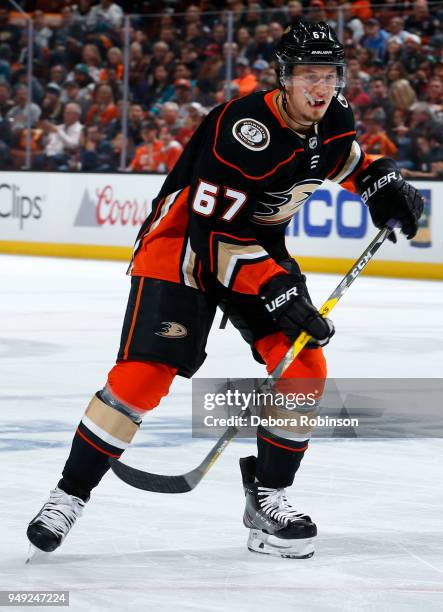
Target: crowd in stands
x,y
178,72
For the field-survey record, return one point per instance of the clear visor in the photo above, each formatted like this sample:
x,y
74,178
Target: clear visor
x,y
309,79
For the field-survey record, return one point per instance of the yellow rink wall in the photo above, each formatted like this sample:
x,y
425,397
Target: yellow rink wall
x,y
97,216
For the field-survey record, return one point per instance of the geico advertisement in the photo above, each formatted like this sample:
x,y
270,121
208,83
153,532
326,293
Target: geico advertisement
x,y
338,220
108,209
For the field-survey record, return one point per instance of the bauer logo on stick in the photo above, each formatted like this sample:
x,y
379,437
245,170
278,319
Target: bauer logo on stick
x,y
252,134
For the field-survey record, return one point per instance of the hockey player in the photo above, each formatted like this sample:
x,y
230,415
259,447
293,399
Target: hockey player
x,y
215,236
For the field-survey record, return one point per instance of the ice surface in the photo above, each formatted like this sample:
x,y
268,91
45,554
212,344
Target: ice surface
x,y
378,505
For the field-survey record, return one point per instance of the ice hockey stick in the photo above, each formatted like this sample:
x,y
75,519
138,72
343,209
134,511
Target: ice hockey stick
x,y
161,483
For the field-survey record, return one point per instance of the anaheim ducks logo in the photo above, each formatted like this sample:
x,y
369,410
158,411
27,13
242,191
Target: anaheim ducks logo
x,y
281,206
252,134
172,329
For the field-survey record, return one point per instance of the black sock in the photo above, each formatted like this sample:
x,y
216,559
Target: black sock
x,y
278,459
87,463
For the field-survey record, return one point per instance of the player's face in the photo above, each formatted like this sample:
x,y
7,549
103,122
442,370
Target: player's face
x,y
310,90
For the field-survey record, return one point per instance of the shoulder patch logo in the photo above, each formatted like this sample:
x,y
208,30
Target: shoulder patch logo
x,y
172,329
251,134
342,100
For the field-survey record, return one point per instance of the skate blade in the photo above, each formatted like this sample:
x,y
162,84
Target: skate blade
x,y
35,554
266,544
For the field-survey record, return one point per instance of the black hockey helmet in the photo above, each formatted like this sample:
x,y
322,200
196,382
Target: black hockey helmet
x,y
305,42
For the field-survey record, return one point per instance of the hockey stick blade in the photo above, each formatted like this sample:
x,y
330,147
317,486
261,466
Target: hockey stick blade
x,y
162,483
155,482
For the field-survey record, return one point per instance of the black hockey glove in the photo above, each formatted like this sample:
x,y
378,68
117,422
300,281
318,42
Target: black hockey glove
x,y
287,300
389,196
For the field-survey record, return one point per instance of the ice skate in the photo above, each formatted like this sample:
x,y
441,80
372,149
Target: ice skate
x,y
276,528
51,525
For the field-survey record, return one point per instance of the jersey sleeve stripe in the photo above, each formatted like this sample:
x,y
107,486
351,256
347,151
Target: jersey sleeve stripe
x,y
188,266
353,160
248,176
351,133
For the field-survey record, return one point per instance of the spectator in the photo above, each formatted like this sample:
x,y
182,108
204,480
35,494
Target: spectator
x,y
104,110
190,123
92,60
295,10
261,47
106,15
234,55
147,156
245,79
396,29
80,75
52,107
413,55
160,90
170,151
20,77
196,37
422,120
275,32
394,49
89,156
427,157
19,112
6,102
5,62
354,70
401,94
61,141
160,52
10,34
5,126
394,72
352,22
114,58
169,115
182,96
434,95
258,70
317,11
375,141
211,65
219,34
42,34
244,40
135,121
68,37
57,74
356,94
378,93
421,21
168,35
375,38
253,17
279,13
72,93
399,133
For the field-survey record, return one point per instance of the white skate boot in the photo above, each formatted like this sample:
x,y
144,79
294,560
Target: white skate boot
x,y
51,525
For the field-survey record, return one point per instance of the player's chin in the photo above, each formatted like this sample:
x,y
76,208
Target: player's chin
x,y
316,112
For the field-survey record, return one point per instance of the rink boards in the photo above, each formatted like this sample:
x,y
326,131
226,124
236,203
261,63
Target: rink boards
x,y
98,216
